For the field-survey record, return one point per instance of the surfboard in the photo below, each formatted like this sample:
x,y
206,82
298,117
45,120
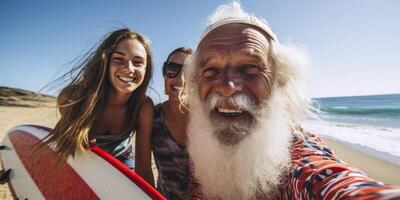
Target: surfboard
x,y
93,174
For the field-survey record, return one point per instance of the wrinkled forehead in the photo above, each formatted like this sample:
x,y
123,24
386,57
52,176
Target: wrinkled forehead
x,y
234,38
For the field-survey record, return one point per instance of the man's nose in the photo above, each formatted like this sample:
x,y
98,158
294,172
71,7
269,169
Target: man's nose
x,y
229,84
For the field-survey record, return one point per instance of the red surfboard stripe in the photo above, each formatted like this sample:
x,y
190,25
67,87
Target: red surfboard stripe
x,y
54,181
136,179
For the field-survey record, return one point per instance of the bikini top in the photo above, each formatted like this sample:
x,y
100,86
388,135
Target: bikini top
x,y
114,144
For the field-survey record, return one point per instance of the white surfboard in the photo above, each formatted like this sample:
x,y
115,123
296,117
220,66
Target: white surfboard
x,y
93,174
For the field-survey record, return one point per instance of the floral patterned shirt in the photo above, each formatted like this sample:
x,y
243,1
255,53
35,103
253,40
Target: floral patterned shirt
x,y
316,173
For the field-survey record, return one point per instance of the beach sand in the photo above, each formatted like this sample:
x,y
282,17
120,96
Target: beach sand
x,y
48,116
375,168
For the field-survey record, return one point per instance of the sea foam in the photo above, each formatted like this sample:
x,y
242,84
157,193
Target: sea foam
x,y
380,142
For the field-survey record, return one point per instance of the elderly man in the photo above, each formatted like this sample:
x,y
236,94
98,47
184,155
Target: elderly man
x,y
245,94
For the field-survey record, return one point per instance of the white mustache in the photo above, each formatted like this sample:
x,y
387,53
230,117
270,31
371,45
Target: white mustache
x,y
241,101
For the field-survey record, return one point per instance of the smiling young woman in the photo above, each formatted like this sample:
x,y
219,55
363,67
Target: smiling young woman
x,y
101,104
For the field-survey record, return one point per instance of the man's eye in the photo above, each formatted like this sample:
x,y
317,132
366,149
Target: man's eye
x,y
209,72
249,69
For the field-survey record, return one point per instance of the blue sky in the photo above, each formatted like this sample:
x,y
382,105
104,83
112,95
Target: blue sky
x,y
354,45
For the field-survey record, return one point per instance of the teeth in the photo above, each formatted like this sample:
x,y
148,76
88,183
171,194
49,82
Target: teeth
x,y
127,79
229,111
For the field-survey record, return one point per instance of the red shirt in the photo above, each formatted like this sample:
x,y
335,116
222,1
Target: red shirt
x,y
315,173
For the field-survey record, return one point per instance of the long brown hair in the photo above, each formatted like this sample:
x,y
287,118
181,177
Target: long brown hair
x,y
88,91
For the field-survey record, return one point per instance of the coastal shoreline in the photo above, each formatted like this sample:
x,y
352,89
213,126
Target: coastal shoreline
x,y
376,168
48,116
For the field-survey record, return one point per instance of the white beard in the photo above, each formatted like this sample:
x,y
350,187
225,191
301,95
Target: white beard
x,y
245,170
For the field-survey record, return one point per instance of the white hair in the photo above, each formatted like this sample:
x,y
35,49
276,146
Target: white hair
x,y
288,62
233,13
255,165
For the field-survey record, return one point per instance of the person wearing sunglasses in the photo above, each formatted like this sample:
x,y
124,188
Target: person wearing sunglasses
x,y
169,131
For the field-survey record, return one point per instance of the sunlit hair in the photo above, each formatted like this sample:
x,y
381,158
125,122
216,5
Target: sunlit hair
x,y
252,167
184,50
287,62
88,91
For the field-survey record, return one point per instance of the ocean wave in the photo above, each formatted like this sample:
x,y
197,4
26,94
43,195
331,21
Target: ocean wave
x,y
395,111
380,142
340,107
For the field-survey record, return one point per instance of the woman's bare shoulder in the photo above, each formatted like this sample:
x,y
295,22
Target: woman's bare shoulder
x,y
64,99
65,95
147,108
148,103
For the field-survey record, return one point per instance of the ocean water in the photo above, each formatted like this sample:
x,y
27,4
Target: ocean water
x,y
367,123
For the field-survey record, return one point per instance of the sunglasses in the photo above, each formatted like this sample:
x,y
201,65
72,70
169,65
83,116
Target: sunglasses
x,y
171,69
